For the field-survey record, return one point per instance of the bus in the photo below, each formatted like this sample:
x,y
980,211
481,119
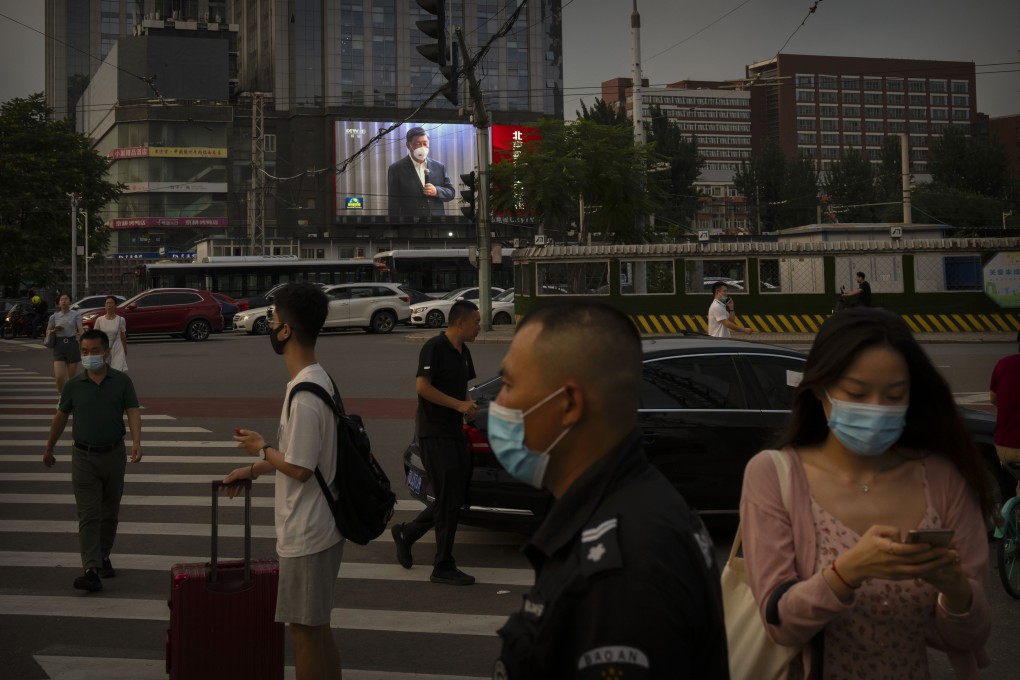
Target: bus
x,y
248,276
439,270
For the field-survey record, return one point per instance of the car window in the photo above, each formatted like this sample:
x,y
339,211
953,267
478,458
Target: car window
x,y
184,298
339,294
361,292
692,382
154,300
777,377
383,291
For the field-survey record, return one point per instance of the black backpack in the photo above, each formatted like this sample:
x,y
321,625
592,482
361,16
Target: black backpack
x,y
366,501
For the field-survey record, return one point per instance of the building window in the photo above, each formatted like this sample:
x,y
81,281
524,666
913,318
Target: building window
x,y
806,138
961,87
919,125
849,124
896,126
827,82
961,114
873,126
873,140
805,110
872,98
270,141
805,95
852,111
828,110
851,97
894,99
808,151
852,139
805,123
851,82
917,85
961,100
805,81
917,100
939,100
831,97
918,140
895,112
939,114
872,83
894,84
828,152
831,139
916,114
936,86
872,111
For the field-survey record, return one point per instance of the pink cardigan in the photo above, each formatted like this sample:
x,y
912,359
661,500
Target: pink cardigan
x,y
779,548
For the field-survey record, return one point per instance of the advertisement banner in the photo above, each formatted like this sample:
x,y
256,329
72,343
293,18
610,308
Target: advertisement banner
x,y
176,187
508,140
1002,279
171,222
168,152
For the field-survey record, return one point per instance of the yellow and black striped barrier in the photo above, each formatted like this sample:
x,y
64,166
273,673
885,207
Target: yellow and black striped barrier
x,y
666,324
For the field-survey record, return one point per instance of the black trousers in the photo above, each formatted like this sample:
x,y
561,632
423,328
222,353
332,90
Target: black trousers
x,y
448,464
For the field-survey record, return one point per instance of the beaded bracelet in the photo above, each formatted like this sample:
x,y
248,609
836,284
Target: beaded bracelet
x,y
844,581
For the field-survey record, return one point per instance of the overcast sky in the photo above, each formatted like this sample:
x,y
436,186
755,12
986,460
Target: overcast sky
x,y
597,43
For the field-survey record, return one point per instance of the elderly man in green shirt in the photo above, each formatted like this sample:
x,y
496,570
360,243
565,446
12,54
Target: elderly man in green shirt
x,y
98,398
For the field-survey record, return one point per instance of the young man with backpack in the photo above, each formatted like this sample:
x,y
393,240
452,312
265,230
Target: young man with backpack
x,y
307,540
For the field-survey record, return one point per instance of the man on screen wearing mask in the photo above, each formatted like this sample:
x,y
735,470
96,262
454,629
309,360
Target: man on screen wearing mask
x,y
99,397
418,185
626,583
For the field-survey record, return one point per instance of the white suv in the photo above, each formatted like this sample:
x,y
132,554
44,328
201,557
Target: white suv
x,y
376,307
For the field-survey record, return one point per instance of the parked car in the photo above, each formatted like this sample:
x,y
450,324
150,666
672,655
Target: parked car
x,y
266,298
228,308
188,312
707,406
433,314
94,302
416,295
252,321
503,308
376,307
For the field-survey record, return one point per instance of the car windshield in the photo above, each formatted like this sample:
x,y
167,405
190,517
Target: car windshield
x,y
453,295
507,294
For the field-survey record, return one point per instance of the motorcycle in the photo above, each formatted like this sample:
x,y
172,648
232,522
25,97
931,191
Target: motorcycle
x,y
16,321
840,301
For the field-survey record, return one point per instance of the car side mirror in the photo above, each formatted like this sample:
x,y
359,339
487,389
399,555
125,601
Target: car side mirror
x,y
133,305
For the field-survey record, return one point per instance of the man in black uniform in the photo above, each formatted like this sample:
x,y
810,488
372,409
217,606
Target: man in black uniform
x,y
444,369
626,583
863,292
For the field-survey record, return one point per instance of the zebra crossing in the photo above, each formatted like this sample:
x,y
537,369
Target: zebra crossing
x,y
390,622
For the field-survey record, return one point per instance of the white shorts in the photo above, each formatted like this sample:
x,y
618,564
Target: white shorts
x,y
307,583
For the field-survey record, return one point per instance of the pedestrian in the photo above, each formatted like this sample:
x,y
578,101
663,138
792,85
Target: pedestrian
x,y
444,369
863,292
876,448
307,540
115,327
720,313
626,584
98,398
66,326
1004,393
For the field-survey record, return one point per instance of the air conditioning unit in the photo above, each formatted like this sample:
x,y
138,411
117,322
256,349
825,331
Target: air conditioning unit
x,y
539,239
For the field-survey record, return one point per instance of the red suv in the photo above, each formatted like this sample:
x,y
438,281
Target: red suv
x,y
175,311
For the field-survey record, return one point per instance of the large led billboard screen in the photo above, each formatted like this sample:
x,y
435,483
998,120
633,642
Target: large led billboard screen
x,y
385,180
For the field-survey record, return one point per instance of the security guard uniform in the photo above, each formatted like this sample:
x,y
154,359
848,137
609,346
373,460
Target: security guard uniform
x,y
626,583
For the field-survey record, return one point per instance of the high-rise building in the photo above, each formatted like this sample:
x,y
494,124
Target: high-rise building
x,y
822,106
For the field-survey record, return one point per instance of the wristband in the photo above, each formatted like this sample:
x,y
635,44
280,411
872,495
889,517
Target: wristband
x,y
843,580
951,614
252,471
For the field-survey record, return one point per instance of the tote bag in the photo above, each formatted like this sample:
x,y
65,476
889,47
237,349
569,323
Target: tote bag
x,y
753,654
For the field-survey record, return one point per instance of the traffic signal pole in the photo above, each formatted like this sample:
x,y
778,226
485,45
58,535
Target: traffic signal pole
x,y
481,123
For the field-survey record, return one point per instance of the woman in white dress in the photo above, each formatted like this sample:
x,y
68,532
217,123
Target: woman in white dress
x,y
115,328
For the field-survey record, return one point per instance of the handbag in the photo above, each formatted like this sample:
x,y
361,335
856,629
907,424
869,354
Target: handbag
x,y
753,654
50,340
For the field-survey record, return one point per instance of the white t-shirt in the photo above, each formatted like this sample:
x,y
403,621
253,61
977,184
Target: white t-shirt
x,y
717,313
304,524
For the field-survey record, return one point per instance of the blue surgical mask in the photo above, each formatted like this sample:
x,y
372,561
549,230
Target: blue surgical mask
x,y
866,429
93,362
506,437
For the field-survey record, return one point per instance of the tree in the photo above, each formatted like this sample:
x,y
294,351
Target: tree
x,y
779,192
42,161
603,113
889,178
971,164
801,203
571,162
849,184
678,165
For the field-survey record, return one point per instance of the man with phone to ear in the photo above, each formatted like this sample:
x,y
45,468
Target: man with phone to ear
x,y
416,184
720,313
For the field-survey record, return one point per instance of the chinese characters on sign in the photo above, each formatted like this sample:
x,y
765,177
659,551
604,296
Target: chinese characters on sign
x,y
144,222
1002,279
168,152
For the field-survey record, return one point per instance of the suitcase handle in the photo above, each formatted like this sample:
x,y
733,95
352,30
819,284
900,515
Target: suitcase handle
x,y
216,486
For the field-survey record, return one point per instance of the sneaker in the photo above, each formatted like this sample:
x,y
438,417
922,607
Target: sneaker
x,y
451,576
403,551
107,570
89,581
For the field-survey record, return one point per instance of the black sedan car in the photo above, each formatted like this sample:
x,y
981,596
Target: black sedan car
x,y
708,405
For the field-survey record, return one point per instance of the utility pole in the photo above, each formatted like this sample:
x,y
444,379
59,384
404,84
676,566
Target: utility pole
x,y
257,192
87,289
481,123
635,48
74,246
905,174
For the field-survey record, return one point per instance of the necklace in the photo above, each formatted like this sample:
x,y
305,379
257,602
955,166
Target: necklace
x,y
864,486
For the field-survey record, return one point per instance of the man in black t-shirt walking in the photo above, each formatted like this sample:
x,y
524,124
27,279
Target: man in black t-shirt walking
x,y
863,292
444,369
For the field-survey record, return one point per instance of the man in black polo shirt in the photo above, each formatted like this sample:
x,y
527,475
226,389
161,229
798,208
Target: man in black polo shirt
x,y
444,369
98,397
863,292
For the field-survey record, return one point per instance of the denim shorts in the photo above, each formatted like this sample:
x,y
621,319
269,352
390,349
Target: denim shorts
x,y
66,350
305,593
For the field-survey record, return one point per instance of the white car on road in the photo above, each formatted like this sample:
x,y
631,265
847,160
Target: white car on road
x,y
252,321
433,314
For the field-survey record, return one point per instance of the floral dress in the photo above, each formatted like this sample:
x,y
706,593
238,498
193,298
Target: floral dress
x,y
882,636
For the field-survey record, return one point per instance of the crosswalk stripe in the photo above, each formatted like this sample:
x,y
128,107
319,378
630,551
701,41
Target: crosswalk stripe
x,y
48,416
348,570
41,526
151,428
86,667
27,387
386,620
149,458
403,505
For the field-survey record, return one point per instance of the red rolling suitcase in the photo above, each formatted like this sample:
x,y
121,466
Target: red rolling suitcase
x,y
221,614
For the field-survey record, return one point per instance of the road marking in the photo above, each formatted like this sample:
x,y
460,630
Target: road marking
x,y
152,428
161,501
389,621
37,526
46,416
27,387
348,570
151,444
85,667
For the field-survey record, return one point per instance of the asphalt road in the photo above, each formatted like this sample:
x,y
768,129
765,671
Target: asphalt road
x,y
390,623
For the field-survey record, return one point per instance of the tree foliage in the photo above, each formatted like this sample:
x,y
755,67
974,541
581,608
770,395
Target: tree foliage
x,y
571,162
971,164
678,165
779,192
850,186
42,161
603,113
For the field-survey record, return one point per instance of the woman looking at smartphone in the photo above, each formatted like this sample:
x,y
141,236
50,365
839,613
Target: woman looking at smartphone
x,y
66,327
876,448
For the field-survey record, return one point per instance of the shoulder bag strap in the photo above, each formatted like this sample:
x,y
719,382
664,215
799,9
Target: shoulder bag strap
x,y
782,465
319,391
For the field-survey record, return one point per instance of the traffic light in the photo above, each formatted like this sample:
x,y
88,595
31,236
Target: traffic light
x,y
436,52
469,194
434,28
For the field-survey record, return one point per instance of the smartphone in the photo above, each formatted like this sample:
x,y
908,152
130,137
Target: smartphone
x,y
936,538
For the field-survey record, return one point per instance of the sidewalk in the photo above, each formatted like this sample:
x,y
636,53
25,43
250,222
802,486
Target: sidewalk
x,y
504,334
